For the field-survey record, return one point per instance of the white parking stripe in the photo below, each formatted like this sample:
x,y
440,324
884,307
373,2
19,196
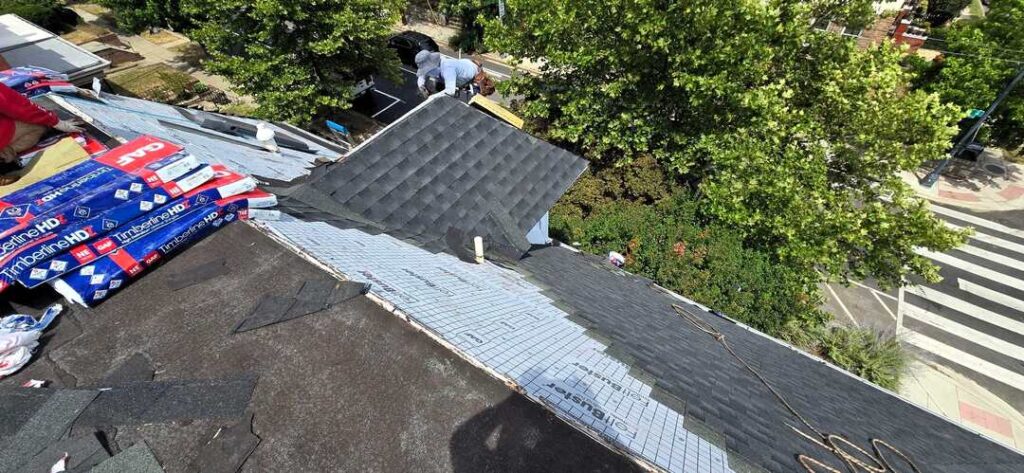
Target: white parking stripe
x,y
965,307
973,268
966,360
992,256
994,296
992,240
967,333
977,221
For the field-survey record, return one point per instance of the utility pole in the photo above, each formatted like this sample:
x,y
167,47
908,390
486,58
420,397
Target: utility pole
x,y
968,137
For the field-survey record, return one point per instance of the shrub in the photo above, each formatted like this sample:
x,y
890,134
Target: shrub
x,y
876,358
709,264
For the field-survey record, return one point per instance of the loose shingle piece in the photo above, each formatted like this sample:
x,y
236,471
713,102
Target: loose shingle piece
x,y
46,426
137,459
445,166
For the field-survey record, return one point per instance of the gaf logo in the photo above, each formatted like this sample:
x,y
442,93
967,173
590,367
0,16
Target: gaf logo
x,y
128,158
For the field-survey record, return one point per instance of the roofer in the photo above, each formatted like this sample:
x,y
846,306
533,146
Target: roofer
x,y
23,123
456,73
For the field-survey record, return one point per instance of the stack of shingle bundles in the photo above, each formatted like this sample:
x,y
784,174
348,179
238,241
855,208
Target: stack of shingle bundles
x,y
31,81
93,227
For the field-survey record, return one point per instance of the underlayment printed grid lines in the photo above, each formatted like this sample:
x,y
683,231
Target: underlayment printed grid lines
x,y
494,316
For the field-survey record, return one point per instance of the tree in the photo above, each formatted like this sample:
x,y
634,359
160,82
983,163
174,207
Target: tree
x,y
794,137
984,56
299,60
49,14
137,15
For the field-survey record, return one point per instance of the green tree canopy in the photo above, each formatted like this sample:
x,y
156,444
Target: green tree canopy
x,y
137,15
50,14
795,137
299,59
984,56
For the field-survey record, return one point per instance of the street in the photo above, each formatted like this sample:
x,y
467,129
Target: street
x,y
973,320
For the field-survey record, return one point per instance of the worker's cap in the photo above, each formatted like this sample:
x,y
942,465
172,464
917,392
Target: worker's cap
x,y
427,61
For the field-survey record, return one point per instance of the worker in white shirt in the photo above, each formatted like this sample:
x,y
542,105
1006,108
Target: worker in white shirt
x,y
456,73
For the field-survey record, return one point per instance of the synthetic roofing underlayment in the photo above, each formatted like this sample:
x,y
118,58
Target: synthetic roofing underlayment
x,y
128,118
602,348
496,318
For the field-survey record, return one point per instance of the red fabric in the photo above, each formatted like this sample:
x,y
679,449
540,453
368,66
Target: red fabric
x,y
15,107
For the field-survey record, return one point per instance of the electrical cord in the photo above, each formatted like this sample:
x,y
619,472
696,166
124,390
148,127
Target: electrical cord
x,y
831,442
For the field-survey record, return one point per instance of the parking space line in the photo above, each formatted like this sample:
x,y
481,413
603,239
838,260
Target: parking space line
x,y
882,303
392,97
841,305
875,291
386,108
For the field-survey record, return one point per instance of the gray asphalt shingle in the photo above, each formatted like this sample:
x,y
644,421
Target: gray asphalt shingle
x,y
446,165
717,391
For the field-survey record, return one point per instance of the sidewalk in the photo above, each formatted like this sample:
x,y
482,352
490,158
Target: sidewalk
x,y
990,184
959,399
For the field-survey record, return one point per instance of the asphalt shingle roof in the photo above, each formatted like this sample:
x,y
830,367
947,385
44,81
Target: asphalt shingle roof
x,y
717,391
446,166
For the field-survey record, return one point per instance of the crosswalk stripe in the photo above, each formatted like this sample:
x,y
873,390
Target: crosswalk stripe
x,y
967,308
991,256
977,221
965,359
964,332
994,296
973,268
992,240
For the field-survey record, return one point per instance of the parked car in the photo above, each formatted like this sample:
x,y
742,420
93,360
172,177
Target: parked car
x,y
408,43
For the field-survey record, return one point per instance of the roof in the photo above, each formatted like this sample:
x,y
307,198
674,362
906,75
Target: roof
x,y
602,348
22,43
444,167
213,138
350,388
563,322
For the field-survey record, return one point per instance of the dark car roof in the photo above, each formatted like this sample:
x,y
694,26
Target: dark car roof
x,y
415,36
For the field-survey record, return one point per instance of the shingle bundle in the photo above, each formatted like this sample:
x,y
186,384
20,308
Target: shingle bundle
x,y
92,228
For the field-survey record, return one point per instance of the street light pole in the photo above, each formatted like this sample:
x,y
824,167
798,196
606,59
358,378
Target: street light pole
x,y
968,137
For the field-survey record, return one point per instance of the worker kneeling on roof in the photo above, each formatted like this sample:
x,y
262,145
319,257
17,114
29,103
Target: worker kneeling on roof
x,y
23,123
456,73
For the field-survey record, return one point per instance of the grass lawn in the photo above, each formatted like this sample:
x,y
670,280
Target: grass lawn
x,y
157,82
85,32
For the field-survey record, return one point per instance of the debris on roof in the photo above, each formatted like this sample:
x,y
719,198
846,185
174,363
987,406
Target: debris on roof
x,y
212,138
349,389
22,43
494,108
443,166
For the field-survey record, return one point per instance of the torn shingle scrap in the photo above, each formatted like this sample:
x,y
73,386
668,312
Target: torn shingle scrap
x,y
314,296
137,459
